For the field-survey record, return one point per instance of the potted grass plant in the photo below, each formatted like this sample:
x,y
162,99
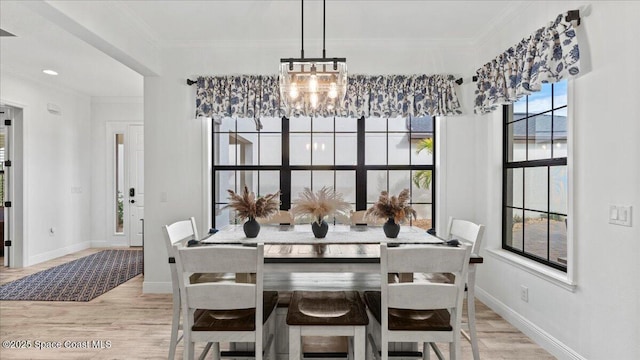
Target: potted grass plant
x,y
248,206
395,209
318,206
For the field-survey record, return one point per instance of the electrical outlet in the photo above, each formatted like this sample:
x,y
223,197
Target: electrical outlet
x,y
524,293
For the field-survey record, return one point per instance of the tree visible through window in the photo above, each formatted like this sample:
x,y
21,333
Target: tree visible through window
x,y
535,176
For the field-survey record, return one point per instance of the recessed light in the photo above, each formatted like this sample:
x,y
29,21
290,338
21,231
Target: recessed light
x,y
50,72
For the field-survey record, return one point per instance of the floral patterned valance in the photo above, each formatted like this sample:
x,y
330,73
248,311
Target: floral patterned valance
x,y
548,55
257,96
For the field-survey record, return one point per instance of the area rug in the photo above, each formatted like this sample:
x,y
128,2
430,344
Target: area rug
x,y
78,280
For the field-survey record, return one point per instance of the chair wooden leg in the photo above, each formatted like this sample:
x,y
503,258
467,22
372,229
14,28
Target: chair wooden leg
x,y
426,353
175,325
215,350
471,314
295,339
359,342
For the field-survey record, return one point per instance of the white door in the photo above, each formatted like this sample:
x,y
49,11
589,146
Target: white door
x,y
135,191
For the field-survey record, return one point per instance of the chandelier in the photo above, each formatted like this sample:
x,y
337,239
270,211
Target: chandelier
x,y
312,83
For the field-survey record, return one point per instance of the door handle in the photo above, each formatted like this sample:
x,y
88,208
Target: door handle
x,y
132,201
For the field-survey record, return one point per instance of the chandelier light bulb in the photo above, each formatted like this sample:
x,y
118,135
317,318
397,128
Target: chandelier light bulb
x,y
293,91
314,100
333,90
313,83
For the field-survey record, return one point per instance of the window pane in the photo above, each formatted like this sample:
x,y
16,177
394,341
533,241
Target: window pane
x,y
300,123
225,149
398,124
425,156
246,125
558,196
536,188
346,124
517,135
398,181
346,149
535,233
540,101
514,225
376,182
422,181
322,179
559,135
299,180
514,187
322,124
399,151
270,149
558,239
119,182
269,182
271,124
375,124
247,178
300,149
520,109
539,137
346,185
322,149
424,216
375,149
560,94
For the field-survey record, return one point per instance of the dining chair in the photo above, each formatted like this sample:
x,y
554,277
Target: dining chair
x,y
282,217
421,311
177,234
470,234
327,313
231,311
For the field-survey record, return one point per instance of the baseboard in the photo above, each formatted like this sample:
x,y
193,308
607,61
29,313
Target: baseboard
x,y
537,334
157,287
50,255
107,244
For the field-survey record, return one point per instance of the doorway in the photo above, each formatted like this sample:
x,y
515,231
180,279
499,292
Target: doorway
x,y
125,174
11,195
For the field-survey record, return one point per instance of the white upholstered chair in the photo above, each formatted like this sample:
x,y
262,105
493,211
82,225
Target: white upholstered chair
x,y
422,311
231,312
470,234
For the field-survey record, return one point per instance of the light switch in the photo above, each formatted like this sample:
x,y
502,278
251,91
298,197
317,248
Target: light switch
x,y
620,215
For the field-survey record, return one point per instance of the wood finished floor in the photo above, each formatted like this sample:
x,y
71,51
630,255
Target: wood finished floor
x,y
138,325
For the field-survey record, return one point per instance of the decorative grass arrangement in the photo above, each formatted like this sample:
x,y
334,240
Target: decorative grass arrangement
x,y
320,204
395,208
247,206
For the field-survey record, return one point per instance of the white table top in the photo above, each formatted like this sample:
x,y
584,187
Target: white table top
x,y
338,234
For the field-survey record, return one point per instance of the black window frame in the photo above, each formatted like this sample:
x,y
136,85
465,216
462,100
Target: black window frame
x,y
361,169
507,118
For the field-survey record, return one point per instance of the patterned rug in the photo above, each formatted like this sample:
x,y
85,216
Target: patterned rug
x,y
79,280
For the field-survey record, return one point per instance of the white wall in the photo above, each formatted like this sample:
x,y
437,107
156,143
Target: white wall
x,y
57,167
107,112
600,319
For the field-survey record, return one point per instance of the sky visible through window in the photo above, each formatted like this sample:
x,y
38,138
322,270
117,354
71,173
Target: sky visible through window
x,y
540,101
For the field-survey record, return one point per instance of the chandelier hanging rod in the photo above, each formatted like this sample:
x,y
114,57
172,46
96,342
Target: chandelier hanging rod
x,y
324,58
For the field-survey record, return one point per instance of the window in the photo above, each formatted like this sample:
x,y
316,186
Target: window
x,y
357,157
535,176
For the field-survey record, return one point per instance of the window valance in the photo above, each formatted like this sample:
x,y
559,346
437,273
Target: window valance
x,y
546,56
257,96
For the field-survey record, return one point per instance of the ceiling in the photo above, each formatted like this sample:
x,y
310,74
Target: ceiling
x,y
40,43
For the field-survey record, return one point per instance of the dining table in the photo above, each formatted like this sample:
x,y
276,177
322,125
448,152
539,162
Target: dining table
x,y
348,258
